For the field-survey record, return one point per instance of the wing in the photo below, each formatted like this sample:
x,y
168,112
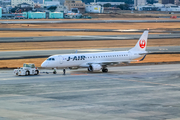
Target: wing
x,y
108,62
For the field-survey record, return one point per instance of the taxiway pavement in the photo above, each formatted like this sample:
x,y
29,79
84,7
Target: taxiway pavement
x,y
92,30
128,93
85,38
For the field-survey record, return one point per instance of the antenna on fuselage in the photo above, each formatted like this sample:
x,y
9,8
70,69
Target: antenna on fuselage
x,y
76,51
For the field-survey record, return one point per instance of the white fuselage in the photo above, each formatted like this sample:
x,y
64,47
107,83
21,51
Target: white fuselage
x,y
98,61
82,59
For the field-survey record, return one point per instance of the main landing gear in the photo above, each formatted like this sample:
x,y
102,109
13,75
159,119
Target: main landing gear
x,y
64,71
105,70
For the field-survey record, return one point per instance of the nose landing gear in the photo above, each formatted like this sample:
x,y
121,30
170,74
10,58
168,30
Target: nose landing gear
x,y
64,71
54,71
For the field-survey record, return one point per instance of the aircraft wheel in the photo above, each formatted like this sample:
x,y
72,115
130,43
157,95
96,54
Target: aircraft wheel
x,y
105,70
64,71
54,70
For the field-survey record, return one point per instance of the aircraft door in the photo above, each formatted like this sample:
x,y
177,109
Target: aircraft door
x,y
60,59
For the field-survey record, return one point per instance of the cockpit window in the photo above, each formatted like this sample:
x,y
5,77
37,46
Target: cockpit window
x,y
49,59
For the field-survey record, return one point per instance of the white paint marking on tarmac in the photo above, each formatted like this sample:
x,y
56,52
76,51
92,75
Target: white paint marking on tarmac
x,y
127,30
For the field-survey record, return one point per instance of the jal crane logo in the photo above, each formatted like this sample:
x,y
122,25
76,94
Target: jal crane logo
x,y
142,44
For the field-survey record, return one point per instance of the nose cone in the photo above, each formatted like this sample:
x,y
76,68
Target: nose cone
x,y
44,64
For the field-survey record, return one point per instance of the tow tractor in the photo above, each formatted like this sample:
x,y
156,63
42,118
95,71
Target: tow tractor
x,y
27,69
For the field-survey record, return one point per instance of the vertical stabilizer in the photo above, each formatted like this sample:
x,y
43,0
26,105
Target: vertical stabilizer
x,y
142,43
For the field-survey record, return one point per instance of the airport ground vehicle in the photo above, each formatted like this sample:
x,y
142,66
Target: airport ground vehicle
x,y
27,69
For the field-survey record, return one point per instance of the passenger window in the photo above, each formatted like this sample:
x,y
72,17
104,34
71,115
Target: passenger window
x,y
49,59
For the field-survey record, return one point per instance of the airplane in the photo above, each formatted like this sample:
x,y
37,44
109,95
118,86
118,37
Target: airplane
x,y
98,61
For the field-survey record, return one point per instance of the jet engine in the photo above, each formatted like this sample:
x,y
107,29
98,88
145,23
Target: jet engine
x,y
94,67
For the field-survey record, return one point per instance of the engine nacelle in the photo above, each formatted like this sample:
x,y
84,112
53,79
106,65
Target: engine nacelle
x,y
95,67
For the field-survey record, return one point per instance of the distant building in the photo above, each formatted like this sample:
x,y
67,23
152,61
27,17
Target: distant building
x,y
111,10
39,1
112,3
61,2
51,2
177,2
170,7
156,1
148,7
61,8
166,1
94,8
158,5
4,3
23,5
151,7
75,4
16,2
139,2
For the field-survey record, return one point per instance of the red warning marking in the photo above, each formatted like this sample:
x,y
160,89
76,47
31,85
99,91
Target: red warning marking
x,y
142,43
